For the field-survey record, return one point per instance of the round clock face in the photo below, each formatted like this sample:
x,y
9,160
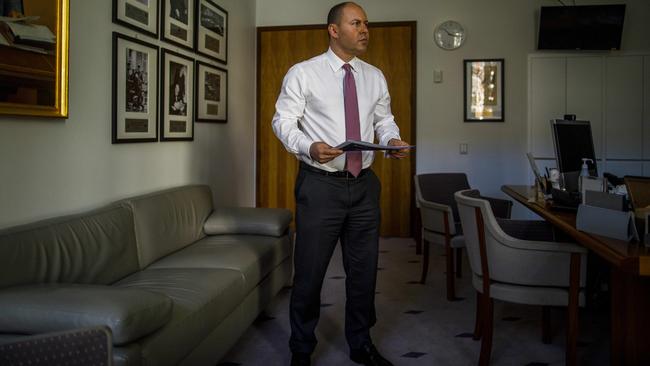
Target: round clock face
x,y
449,35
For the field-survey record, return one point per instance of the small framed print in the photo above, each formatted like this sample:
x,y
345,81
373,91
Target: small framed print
x,y
211,93
483,91
212,30
177,97
177,22
135,90
139,15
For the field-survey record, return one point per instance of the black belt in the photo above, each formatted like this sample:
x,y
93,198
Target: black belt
x,y
337,174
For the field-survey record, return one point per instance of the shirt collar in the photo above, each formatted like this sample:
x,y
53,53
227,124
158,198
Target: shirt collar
x,y
336,63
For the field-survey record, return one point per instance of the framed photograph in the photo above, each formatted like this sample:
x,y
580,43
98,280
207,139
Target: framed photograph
x,y
177,97
211,88
212,30
139,15
34,71
483,91
135,90
177,22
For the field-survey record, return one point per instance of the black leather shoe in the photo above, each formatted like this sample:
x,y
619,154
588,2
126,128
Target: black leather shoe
x,y
369,356
300,359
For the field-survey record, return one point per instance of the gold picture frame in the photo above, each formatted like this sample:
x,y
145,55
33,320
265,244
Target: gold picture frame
x,y
34,73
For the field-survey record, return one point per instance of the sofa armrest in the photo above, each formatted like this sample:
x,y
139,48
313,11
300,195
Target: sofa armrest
x,y
248,220
129,313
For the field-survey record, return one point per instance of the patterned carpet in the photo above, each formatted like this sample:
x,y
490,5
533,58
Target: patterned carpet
x,y
418,326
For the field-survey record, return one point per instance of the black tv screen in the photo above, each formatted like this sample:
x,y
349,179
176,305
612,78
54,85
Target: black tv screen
x,y
584,27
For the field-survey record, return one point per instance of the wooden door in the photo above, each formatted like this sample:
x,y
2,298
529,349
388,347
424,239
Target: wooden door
x,y
392,50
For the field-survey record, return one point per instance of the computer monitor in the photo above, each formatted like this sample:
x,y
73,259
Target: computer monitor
x,y
573,142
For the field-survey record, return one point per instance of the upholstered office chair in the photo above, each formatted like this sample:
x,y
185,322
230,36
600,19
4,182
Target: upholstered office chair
x,y
434,194
83,346
521,271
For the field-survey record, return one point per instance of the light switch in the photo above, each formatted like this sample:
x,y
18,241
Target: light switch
x,y
437,76
463,149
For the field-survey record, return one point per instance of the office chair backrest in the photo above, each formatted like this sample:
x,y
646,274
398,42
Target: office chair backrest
x,y
440,188
509,260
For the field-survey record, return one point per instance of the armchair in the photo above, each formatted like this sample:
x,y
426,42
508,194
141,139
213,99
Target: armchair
x,y
520,271
434,194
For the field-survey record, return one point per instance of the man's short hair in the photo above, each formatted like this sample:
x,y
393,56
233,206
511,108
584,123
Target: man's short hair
x,y
334,16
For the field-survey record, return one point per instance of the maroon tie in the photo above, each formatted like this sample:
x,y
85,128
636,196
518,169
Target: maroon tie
x,y
352,127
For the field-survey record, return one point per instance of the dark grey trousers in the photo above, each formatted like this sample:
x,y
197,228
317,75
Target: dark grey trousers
x,y
330,208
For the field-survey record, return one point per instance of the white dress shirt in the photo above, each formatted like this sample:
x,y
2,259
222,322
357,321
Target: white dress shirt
x,y
310,108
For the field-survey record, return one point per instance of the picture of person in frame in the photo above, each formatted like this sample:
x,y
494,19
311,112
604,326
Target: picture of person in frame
x,y
11,8
136,81
212,87
177,95
178,10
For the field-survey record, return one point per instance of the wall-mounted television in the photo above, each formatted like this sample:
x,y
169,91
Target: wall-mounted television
x,y
582,27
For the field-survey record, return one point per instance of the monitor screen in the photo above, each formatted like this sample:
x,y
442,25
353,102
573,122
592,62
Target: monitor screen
x,y
585,27
573,142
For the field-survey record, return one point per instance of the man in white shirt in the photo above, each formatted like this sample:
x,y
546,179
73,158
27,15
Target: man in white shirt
x,y
323,102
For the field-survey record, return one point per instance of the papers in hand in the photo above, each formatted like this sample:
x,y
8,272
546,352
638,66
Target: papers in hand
x,y
352,145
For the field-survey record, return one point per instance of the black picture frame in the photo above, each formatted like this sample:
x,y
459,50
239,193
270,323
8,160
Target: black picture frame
x,y
134,90
176,97
138,15
211,31
483,90
177,23
211,93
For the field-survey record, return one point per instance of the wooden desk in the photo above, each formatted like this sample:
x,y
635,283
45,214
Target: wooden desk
x,y
630,280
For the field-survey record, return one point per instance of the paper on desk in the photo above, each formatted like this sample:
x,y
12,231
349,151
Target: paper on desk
x,y
352,145
30,18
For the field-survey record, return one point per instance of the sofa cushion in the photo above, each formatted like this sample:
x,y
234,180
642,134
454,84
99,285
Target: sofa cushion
x,y
94,247
169,220
129,313
202,298
248,220
254,256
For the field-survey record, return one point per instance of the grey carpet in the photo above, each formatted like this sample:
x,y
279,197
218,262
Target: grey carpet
x,y
417,325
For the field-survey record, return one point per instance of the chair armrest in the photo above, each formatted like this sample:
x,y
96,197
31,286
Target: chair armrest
x,y
500,207
543,246
248,220
433,217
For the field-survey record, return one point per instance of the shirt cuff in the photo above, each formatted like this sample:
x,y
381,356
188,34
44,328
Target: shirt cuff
x,y
387,139
303,147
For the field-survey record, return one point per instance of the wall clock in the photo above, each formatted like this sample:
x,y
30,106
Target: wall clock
x,y
449,35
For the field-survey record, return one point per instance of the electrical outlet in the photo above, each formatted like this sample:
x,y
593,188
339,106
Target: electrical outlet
x,y
463,149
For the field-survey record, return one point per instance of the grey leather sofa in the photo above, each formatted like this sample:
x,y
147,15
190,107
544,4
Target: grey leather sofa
x,y
176,280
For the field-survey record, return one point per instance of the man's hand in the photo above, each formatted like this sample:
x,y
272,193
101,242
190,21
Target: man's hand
x,y
322,152
398,154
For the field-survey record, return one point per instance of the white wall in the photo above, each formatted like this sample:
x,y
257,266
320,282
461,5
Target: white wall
x,y
495,29
50,167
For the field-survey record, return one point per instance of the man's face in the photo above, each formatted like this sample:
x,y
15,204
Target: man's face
x,y
352,33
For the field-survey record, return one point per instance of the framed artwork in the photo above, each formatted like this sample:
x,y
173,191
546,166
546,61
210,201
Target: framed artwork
x,y
212,30
139,15
177,22
211,88
34,71
484,90
135,90
177,97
